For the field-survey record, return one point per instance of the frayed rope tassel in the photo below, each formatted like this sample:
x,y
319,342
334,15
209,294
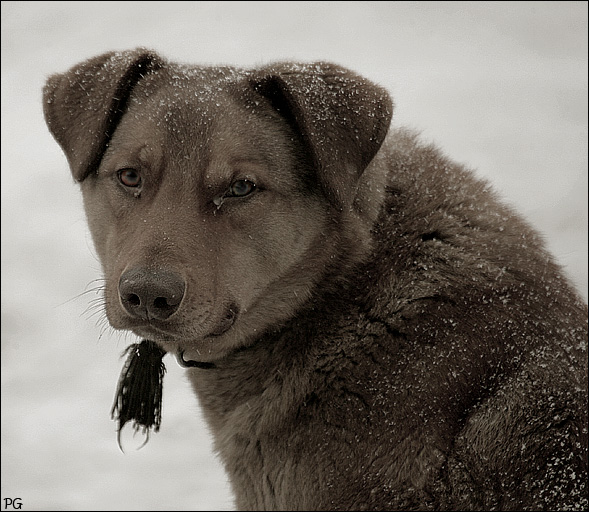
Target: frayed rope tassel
x,y
139,393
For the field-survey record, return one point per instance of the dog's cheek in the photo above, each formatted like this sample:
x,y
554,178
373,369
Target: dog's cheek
x,y
104,220
272,241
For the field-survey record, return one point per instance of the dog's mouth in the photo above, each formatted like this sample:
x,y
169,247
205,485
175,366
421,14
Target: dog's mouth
x,y
223,326
187,342
226,321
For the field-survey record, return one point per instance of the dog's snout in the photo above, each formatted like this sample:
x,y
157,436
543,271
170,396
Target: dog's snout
x,y
151,294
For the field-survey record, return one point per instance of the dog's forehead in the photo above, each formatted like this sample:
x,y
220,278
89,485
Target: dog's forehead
x,y
202,115
199,90
189,101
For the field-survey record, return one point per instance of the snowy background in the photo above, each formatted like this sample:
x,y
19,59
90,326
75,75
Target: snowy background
x,y
499,86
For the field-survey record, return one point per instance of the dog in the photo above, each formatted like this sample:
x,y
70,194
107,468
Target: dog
x,y
367,325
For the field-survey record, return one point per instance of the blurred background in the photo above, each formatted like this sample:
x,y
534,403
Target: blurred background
x,y
500,86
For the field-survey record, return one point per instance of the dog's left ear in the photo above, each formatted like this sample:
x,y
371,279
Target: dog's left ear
x,y
342,118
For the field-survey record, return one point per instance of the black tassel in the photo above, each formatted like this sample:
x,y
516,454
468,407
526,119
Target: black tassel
x,y
139,393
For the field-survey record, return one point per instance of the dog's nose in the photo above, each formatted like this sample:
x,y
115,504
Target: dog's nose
x,y
148,294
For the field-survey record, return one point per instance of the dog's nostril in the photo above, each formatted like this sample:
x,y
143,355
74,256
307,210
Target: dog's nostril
x,y
161,303
133,299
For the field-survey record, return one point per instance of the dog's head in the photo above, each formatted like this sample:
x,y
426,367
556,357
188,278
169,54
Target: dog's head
x,y
217,197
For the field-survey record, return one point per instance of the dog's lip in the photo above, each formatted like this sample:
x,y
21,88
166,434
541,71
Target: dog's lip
x,y
173,337
176,344
226,322
224,326
155,333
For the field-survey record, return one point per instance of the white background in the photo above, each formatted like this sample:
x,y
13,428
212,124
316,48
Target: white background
x,y
499,86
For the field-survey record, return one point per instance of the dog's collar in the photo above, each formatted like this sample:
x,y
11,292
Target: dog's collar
x,y
192,364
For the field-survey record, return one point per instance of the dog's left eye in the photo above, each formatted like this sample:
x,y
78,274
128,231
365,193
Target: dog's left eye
x,y
129,177
241,188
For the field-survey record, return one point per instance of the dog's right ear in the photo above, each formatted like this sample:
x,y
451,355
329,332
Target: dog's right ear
x,y
84,105
342,118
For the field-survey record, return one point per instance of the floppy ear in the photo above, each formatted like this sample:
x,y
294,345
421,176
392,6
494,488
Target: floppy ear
x,y
342,118
84,105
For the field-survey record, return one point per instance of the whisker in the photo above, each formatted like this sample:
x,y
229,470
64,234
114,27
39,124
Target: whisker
x,y
105,327
95,289
96,309
94,306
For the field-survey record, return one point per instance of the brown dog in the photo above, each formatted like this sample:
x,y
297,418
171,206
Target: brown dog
x,y
382,332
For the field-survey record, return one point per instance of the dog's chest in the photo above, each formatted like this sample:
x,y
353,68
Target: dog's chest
x,y
255,436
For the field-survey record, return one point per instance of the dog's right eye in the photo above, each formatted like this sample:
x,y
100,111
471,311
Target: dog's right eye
x,y
129,178
241,188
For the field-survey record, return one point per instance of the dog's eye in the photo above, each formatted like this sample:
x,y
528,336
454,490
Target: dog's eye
x,y
241,188
129,177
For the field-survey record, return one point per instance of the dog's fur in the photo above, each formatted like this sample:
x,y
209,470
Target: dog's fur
x,y
384,332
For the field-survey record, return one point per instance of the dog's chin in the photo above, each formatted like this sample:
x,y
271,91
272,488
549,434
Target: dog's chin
x,y
197,341
191,344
